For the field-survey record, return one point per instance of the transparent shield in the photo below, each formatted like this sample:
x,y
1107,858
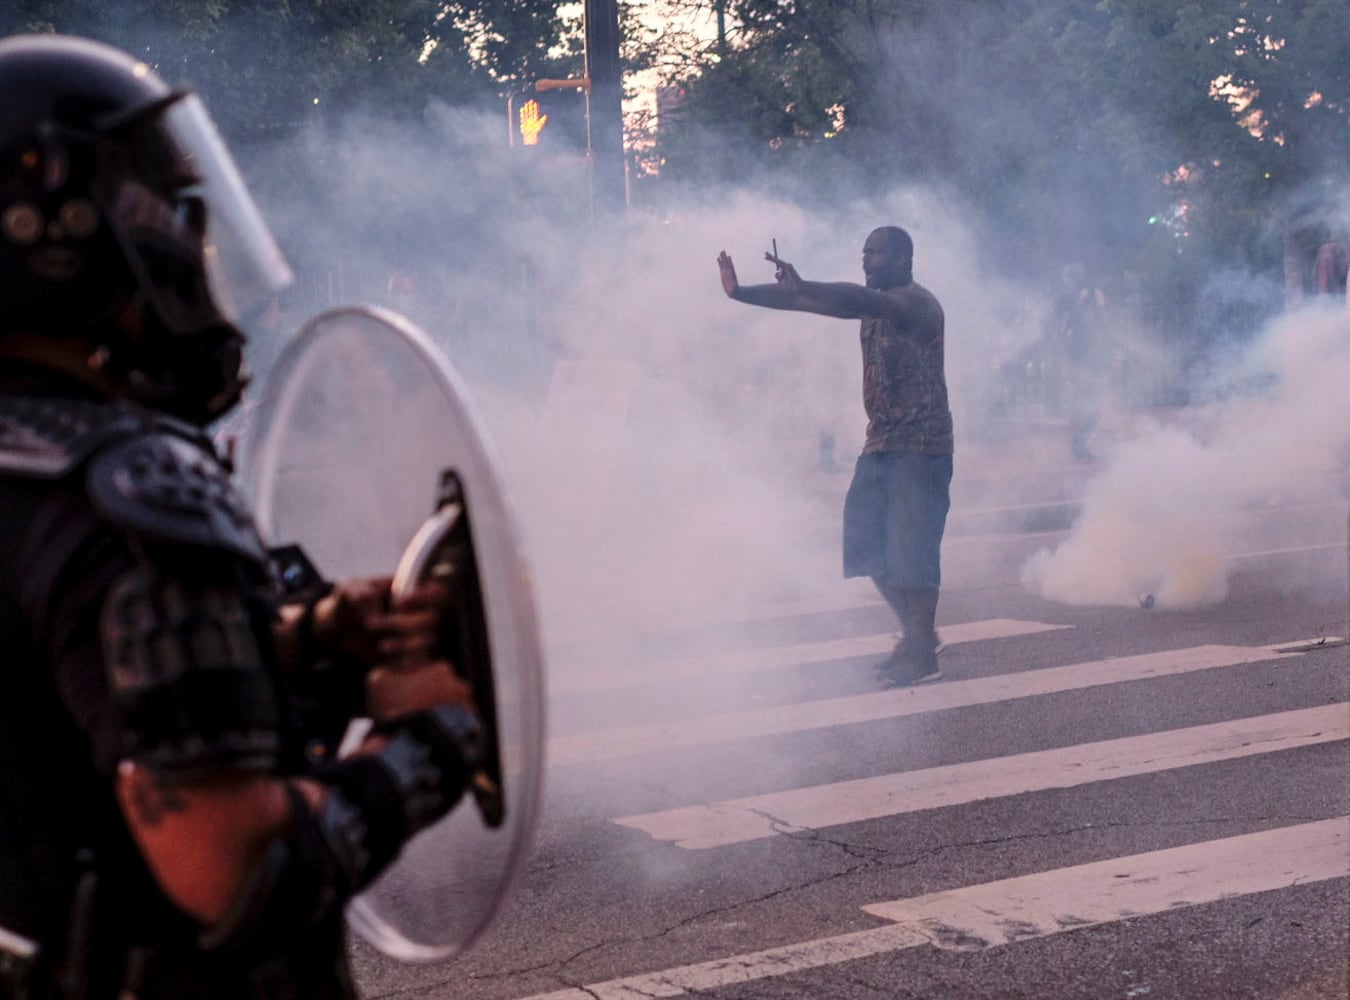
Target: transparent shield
x,y
359,420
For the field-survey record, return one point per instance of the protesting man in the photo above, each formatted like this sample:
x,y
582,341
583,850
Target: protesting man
x,y
896,508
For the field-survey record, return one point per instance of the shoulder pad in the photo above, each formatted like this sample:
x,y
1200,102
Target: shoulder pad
x,y
162,486
47,437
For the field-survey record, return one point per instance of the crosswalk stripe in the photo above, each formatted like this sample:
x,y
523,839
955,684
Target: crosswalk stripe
x,y
985,916
626,741
566,635
608,678
1335,546
755,817
864,596
1030,906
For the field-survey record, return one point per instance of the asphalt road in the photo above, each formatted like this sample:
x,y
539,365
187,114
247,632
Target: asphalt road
x,y
1094,802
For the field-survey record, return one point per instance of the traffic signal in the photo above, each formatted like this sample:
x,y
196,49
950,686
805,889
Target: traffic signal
x,y
550,121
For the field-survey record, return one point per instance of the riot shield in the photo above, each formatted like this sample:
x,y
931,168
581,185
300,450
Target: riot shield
x,y
366,452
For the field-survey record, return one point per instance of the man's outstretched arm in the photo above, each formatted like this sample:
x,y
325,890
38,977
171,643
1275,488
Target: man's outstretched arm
x,y
776,296
841,299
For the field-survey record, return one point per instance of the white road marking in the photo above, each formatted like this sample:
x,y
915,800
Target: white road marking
x,y
1016,909
1310,645
741,661
626,741
1294,550
806,606
747,968
985,916
755,817
846,598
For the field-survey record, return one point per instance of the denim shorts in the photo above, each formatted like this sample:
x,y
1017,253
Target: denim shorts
x,y
894,517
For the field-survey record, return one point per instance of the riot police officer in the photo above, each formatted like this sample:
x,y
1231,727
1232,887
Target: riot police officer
x,y
167,828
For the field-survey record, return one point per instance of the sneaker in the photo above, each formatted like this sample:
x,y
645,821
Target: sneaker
x,y
904,669
923,675
893,666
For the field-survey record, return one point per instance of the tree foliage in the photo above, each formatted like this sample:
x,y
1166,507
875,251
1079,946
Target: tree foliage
x,y
272,66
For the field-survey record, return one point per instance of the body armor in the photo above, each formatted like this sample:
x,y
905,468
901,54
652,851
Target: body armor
x,y
103,498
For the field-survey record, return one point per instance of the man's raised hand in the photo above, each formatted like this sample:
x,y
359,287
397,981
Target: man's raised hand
x,y
728,269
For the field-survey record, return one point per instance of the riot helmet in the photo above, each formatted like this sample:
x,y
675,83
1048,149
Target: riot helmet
x,y
130,250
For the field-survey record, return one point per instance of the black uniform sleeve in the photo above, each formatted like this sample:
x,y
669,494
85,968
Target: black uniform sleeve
x,y
158,648
374,804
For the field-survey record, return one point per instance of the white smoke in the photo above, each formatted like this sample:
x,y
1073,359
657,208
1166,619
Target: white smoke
x,y
663,444
1177,501
672,473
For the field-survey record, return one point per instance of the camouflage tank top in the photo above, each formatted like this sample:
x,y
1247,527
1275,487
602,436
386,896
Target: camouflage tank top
x,y
904,391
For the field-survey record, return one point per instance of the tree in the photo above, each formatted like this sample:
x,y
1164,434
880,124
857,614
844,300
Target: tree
x,y
267,69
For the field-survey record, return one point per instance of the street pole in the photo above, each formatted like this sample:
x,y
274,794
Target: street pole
x,y
609,183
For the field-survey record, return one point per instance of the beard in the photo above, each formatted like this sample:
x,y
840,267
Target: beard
x,y
889,277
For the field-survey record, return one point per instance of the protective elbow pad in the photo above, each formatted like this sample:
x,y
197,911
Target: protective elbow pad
x,y
375,803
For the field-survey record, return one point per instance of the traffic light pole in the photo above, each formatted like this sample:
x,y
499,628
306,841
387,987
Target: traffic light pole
x,y
609,184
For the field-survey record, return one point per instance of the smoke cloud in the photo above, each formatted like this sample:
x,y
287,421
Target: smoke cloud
x,y
676,457
1176,502
664,445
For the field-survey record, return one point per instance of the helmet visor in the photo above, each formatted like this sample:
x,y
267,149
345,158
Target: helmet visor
x,y
244,267
198,243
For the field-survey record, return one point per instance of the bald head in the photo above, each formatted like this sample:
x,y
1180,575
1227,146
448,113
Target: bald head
x,y
897,239
888,258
